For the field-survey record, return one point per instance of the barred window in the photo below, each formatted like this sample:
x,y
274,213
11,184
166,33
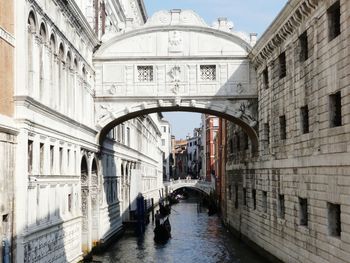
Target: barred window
x,y
335,109
145,73
334,28
304,51
208,72
283,65
304,112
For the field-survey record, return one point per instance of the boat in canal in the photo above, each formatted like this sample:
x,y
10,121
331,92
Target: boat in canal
x,y
162,232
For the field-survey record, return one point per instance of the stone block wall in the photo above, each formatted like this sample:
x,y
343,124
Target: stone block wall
x,y
301,180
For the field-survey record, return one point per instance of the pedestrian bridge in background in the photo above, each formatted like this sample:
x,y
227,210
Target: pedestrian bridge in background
x,y
200,185
176,62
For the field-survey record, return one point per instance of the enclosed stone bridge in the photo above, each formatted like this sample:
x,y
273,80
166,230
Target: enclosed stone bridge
x,y
175,62
202,186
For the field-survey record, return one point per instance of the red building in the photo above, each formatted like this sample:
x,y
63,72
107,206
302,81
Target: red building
x,y
211,126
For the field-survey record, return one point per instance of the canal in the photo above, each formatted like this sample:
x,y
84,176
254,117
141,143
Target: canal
x,y
196,237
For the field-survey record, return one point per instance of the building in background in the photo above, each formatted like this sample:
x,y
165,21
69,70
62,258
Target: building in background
x,y
8,130
210,126
194,161
220,163
181,169
166,149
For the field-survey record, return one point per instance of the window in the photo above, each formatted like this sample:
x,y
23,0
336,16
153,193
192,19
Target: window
x,y
304,115
238,142
61,160
266,78
128,136
334,21
164,128
69,202
282,64
245,141
334,219
236,196
145,73
231,145
244,196
283,128
264,201
30,156
122,134
303,216
304,50
42,151
5,218
163,142
208,72
254,198
52,159
335,109
280,207
229,192
267,132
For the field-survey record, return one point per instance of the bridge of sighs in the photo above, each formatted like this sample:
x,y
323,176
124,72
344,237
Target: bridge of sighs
x,y
176,62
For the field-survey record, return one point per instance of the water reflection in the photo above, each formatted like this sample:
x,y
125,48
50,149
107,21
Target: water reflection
x,y
195,238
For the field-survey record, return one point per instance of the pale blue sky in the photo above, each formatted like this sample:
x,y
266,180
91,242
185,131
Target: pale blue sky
x,y
250,16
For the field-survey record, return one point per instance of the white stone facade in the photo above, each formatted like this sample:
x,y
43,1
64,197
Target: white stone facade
x,y
165,130
70,193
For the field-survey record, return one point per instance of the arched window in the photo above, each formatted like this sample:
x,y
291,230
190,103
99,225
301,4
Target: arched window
x,y
61,82
68,95
30,39
43,39
52,71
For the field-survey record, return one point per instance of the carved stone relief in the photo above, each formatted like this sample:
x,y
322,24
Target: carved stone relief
x,y
175,41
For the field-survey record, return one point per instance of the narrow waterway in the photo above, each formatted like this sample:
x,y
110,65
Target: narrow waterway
x,y
196,237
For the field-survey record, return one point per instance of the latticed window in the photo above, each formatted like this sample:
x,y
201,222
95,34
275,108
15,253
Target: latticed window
x,y
208,72
145,73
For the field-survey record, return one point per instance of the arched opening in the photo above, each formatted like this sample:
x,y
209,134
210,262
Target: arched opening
x,y
94,201
53,70
84,178
30,42
61,82
69,96
247,123
43,39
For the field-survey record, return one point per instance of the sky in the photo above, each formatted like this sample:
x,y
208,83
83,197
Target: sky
x,y
250,16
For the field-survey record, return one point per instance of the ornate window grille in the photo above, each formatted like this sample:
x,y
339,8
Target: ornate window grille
x,y
145,73
208,72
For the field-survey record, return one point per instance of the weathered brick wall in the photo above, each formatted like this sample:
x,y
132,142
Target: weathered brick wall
x,y
314,165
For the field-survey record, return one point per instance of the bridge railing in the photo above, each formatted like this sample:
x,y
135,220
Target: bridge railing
x,y
201,184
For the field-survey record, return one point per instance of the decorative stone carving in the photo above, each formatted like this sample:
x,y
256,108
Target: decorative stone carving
x,y
105,110
247,114
175,41
239,88
112,90
177,101
160,103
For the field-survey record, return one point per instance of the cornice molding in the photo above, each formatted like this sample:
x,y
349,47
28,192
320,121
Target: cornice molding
x,y
291,17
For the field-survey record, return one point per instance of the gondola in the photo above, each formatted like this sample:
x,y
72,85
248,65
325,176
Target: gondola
x,y
162,232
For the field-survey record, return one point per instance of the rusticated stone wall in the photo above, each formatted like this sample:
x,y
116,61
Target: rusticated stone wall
x,y
301,176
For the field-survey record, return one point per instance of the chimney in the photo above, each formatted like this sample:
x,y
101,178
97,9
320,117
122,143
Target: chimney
x,y
175,16
253,38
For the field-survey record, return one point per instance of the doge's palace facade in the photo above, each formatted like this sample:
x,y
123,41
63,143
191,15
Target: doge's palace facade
x,y
68,198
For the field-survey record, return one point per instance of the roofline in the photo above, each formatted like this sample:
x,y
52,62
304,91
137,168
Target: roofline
x,y
231,36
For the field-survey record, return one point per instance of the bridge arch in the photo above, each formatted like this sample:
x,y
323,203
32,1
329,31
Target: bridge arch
x,y
232,111
175,62
202,186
